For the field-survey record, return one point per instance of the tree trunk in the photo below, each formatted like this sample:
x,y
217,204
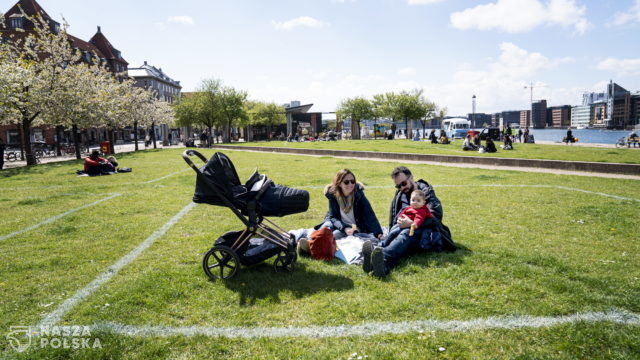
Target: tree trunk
x,y
210,138
153,134
26,135
375,133
226,133
406,128
110,138
269,132
424,125
59,130
135,135
76,140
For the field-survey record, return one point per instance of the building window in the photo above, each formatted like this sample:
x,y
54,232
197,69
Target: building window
x,y
16,23
13,137
37,135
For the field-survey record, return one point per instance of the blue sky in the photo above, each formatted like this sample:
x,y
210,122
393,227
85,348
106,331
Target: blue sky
x,y
323,51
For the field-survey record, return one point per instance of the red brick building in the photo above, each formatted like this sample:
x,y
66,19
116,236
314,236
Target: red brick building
x,y
97,49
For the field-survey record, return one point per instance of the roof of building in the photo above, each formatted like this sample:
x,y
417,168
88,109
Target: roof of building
x,y
147,70
98,43
110,52
30,8
298,109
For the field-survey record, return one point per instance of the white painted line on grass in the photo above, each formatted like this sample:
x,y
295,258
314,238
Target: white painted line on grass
x,y
617,197
378,328
54,317
166,176
52,219
599,193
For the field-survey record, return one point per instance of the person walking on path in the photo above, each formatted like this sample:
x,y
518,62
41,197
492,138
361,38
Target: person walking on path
x,y
203,139
526,135
520,135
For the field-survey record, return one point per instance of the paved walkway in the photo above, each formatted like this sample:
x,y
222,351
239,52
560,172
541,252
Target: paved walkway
x,y
129,147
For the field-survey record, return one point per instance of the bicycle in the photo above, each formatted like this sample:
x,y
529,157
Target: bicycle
x,y
622,142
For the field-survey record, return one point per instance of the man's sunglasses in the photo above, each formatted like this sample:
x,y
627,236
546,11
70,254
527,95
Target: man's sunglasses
x,y
402,184
347,182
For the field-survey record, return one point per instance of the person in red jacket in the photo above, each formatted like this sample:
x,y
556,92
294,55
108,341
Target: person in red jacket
x,y
95,165
416,212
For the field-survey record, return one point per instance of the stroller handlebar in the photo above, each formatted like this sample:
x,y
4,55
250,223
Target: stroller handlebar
x,y
186,156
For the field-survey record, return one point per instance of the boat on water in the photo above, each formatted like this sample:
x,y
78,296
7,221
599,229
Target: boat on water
x,y
456,127
581,127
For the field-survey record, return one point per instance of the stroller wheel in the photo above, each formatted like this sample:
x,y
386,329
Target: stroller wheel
x,y
220,262
285,261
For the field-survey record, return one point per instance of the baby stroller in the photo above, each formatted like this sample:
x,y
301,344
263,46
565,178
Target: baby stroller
x,y
217,183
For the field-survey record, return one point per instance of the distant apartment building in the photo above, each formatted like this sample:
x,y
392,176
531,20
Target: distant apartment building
x,y
559,116
166,89
525,118
621,108
539,114
580,115
479,120
97,50
511,117
598,114
153,78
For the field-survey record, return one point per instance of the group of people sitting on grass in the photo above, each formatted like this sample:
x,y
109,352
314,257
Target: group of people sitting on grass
x,y
94,165
442,139
415,221
474,144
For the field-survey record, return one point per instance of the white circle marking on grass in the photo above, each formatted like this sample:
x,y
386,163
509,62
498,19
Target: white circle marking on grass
x,y
617,197
54,218
55,316
374,328
513,322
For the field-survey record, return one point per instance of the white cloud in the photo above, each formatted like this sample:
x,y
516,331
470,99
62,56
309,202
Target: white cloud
x,y
188,20
299,21
631,15
407,71
500,85
515,16
620,66
423,2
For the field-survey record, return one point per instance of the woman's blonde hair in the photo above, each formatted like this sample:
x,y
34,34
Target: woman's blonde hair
x,y
337,180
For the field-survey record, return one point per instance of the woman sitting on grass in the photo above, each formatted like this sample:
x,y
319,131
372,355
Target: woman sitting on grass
x,y
349,209
468,145
490,146
350,212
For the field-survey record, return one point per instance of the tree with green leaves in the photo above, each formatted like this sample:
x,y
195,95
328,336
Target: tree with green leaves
x,y
356,109
268,114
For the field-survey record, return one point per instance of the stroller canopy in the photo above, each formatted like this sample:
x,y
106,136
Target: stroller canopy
x,y
218,181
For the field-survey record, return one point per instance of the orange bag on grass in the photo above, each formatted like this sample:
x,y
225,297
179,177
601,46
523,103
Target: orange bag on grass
x,y
322,245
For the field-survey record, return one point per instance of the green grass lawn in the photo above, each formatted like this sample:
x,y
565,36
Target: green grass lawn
x,y
521,151
533,244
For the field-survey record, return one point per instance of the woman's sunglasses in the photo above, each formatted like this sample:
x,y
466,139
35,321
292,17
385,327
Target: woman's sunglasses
x,y
402,184
347,182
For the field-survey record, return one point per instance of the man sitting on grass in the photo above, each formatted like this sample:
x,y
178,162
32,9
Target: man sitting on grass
x,y
95,165
381,260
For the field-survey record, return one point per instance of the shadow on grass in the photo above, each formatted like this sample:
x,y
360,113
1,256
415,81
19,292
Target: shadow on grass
x,y
261,283
432,259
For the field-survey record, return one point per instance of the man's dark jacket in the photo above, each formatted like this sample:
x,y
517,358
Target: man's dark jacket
x,y
432,201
